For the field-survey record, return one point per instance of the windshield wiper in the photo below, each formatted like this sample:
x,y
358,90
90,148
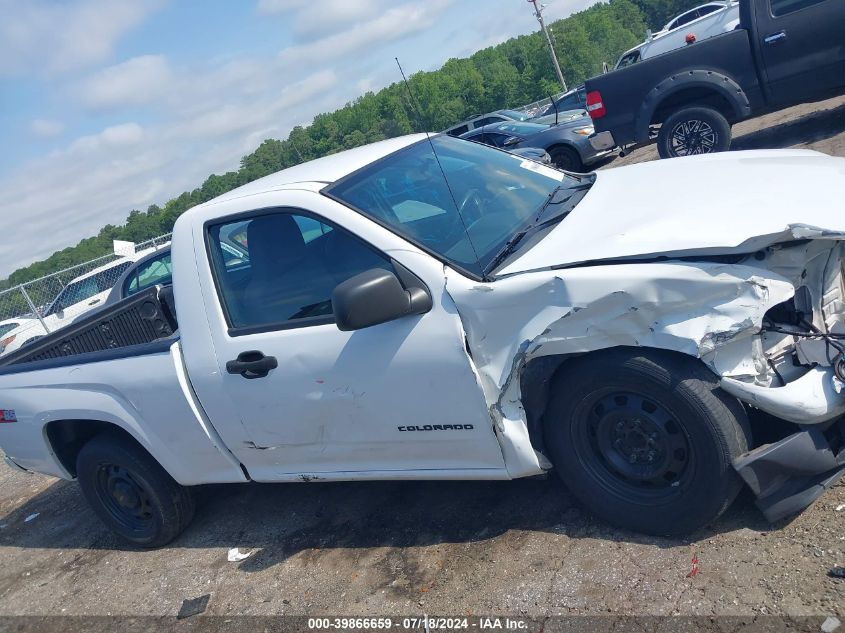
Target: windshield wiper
x,y
507,249
538,222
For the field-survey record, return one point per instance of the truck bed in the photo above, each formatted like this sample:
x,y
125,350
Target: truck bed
x,y
140,319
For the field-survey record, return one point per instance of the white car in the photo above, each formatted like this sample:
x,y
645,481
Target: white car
x,y
701,22
87,292
14,333
468,314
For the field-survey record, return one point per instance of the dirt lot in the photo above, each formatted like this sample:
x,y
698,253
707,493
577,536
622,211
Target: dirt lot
x,y
519,548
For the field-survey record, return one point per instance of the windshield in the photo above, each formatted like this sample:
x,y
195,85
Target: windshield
x,y
522,129
515,115
487,196
83,289
8,327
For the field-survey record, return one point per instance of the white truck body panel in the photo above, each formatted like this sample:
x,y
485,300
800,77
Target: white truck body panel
x,y
338,398
140,394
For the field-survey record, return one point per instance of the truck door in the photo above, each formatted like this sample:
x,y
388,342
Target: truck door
x,y
400,396
801,47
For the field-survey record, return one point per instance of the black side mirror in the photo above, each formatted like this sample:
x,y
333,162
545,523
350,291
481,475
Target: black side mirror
x,y
375,296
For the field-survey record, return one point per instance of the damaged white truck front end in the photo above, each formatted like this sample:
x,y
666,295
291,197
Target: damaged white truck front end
x,y
765,312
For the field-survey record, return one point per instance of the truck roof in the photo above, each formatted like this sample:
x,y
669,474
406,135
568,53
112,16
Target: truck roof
x,y
327,169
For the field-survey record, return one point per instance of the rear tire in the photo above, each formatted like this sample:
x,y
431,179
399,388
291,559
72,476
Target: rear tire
x,y
567,159
646,439
131,493
692,131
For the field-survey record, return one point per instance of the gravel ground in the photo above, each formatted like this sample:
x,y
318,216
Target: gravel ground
x,y
509,548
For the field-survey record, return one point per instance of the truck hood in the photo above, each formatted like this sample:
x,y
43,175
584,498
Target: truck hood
x,y
736,202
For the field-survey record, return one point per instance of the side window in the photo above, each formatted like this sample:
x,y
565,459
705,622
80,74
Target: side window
x,y
482,138
5,329
459,130
784,7
486,121
570,102
582,96
707,10
686,18
477,137
496,140
630,58
150,273
292,264
108,278
311,228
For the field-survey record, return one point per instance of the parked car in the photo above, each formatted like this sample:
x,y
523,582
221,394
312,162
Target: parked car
x,y
783,52
377,331
562,116
701,22
575,99
16,332
567,144
480,120
87,292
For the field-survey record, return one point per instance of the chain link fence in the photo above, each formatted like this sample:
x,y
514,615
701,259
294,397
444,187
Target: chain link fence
x,y
38,307
537,107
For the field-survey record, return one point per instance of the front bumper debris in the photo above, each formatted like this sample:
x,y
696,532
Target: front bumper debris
x,y
811,399
789,475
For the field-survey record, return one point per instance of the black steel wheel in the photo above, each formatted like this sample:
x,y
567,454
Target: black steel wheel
x,y
632,445
693,131
646,439
131,493
128,501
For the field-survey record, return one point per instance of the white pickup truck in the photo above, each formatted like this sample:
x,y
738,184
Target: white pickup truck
x,y
432,308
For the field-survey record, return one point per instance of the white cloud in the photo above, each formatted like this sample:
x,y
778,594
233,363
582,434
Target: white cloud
x,y
133,82
208,113
44,35
116,136
46,128
390,25
312,18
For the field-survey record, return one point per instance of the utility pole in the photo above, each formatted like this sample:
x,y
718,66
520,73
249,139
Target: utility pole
x,y
538,13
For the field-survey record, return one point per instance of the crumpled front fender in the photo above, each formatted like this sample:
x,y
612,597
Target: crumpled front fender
x,y
710,311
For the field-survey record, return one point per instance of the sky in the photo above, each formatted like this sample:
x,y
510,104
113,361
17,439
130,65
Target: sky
x,y
112,105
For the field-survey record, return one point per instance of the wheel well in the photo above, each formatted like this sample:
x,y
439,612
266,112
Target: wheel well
x,y
565,146
67,437
539,374
691,97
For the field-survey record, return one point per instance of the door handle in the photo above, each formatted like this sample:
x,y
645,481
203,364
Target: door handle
x,y
252,364
774,38
94,302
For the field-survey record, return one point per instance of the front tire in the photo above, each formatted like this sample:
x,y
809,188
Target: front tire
x,y
692,131
646,439
567,159
131,493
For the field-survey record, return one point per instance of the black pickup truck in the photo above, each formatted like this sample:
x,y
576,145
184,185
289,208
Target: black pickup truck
x,y
782,53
